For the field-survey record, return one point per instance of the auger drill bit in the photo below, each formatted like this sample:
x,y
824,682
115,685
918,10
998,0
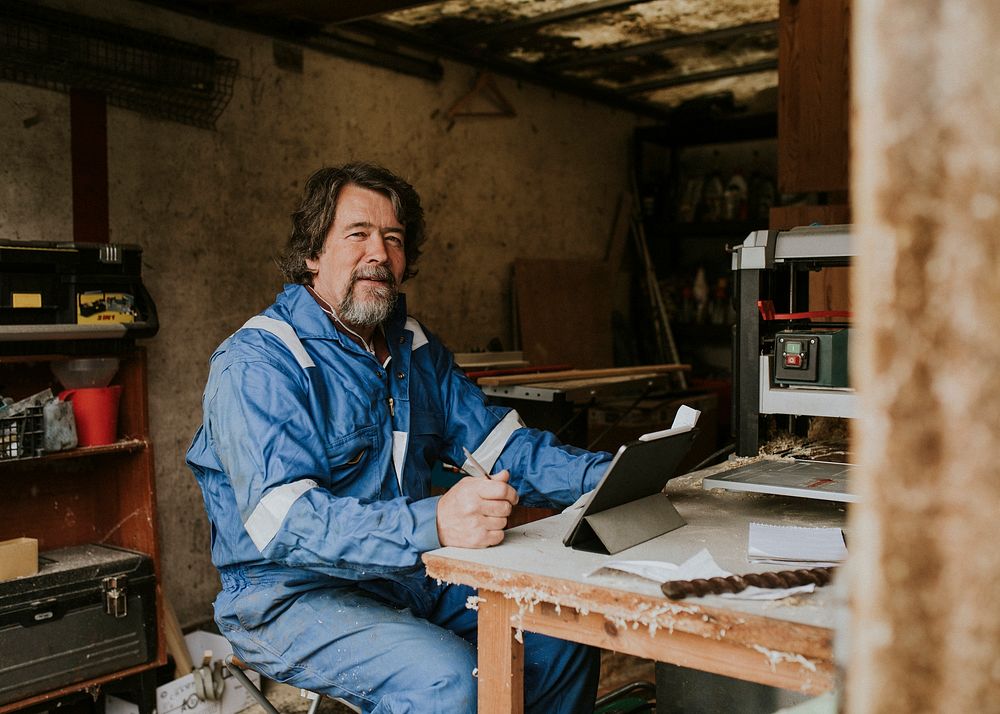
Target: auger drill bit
x,y
678,589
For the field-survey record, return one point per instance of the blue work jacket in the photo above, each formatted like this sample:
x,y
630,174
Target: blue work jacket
x,y
314,455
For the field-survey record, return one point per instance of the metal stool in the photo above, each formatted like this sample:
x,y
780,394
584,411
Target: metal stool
x,y
236,666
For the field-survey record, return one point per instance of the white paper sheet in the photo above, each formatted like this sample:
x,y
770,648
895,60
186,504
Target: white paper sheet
x,y
684,420
700,565
795,545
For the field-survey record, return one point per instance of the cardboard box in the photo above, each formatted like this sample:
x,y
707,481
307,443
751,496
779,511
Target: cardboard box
x,y
18,558
180,695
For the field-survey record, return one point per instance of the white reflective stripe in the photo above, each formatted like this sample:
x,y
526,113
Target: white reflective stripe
x,y
489,451
399,455
284,332
267,517
419,338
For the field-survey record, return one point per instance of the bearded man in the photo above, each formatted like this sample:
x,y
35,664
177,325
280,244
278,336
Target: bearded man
x,y
323,417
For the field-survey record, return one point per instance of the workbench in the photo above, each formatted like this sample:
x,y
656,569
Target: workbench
x,y
582,389
532,582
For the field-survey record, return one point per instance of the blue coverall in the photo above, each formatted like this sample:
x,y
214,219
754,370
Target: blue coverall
x,y
314,462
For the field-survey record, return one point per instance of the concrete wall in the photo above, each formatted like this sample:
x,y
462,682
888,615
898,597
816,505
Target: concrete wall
x,y
210,209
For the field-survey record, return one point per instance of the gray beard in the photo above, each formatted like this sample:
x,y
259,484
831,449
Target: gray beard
x,y
372,310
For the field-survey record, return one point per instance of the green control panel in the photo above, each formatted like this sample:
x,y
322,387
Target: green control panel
x,y
815,357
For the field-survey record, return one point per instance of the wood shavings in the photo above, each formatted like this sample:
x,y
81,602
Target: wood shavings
x,y
526,599
774,657
823,443
639,615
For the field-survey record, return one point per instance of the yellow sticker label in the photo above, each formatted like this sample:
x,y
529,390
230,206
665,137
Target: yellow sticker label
x,y
26,299
98,306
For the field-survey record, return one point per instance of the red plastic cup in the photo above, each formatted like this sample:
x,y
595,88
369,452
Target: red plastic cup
x,y
96,412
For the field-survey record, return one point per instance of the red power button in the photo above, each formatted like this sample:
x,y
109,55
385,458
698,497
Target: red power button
x,y
793,360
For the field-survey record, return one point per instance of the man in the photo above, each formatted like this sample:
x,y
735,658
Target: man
x,y
322,418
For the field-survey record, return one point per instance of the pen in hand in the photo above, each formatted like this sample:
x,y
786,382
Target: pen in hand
x,y
471,466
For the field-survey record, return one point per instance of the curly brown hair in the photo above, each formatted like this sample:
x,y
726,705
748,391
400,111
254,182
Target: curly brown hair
x,y
312,221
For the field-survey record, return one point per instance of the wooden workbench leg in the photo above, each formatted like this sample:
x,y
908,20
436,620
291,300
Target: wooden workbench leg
x,y
501,657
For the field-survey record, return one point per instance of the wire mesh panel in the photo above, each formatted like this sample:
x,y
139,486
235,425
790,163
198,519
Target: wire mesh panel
x,y
22,436
136,70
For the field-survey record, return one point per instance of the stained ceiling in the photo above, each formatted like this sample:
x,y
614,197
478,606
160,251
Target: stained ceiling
x,y
649,57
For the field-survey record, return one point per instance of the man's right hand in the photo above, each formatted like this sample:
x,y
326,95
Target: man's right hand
x,y
473,513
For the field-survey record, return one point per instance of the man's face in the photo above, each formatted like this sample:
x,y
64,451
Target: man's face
x,y
363,260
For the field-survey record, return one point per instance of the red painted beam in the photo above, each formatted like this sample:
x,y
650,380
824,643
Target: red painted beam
x,y
88,116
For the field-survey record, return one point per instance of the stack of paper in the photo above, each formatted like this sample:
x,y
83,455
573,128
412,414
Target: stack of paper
x,y
796,545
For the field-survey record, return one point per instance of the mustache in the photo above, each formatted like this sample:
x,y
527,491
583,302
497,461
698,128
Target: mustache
x,y
375,272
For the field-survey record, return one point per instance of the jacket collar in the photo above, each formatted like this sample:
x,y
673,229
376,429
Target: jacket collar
x,y
297,307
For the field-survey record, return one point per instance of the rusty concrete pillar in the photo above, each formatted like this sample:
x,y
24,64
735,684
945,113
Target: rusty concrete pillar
x,y
925,541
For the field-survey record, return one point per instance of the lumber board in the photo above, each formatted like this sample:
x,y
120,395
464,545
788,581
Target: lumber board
x,y
574,374
501,657
564,311
175,641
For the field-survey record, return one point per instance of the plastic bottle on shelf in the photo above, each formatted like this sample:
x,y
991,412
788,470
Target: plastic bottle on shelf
x,y
712,198
712,193
735,198
690,199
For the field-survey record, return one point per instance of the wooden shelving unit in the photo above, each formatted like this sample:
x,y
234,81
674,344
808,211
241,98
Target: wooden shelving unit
x,y
97,494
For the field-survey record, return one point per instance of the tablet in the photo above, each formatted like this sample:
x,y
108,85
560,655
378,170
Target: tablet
x,y
629,506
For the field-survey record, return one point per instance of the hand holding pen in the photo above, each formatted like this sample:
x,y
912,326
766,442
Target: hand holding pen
x,y
471,466
473,513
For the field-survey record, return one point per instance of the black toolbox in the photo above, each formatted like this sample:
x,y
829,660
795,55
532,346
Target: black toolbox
x,y
89,611
50,283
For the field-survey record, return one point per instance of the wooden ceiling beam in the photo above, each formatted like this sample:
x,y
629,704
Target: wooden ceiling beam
x,y
548,18
645,48
695,77
321,12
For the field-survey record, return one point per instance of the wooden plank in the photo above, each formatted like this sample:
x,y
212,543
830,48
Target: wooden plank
x,y
783,218
722,655
124,446
479,373
702,621
813,95
501,657
91,685
830,289
175,641
564,311
574,374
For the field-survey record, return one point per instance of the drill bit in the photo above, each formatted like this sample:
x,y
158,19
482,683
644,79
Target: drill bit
x,y
678,589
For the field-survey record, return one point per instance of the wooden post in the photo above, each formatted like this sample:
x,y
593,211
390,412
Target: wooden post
x,y
175,641
501,657
88,118
925,634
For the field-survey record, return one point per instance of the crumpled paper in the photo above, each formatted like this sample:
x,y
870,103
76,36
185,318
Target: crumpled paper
x,y
700,565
